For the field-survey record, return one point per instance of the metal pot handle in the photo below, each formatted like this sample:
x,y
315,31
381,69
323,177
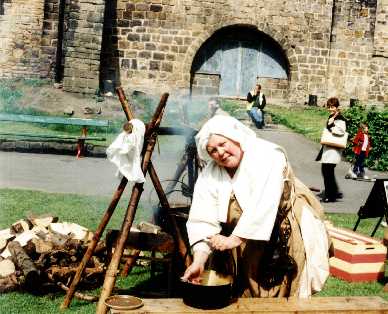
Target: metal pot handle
x,y
205,240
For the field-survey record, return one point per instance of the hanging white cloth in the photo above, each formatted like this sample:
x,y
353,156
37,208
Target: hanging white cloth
x,y
125,152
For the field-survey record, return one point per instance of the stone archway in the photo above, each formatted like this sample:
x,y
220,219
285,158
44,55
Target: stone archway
x,y
230,61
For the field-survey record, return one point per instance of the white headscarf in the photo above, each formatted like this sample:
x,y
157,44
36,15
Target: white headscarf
x,y
226,126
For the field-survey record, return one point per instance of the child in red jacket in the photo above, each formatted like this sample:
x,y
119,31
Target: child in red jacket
x,y
361,148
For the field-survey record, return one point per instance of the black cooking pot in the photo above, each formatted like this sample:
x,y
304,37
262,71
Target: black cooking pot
x,y
214,290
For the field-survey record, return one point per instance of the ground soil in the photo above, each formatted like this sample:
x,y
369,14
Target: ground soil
x,y
54,100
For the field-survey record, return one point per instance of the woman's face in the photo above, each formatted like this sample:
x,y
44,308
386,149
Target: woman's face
x,y
225,152
332,109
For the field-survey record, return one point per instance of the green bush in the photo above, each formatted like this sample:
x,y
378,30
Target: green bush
x,y
377,121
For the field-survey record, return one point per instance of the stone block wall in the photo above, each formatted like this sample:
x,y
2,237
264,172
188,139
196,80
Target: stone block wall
x,y
205,84
157,40
378,74
49,38
333,47
20,36
82,45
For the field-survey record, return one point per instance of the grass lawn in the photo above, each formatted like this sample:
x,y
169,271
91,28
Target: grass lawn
x,y
308,121
87,211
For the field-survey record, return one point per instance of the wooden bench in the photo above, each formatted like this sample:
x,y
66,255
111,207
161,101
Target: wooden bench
x,y
84,123
270,305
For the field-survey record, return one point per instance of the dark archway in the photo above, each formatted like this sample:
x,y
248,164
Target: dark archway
x,y
110,55
239,56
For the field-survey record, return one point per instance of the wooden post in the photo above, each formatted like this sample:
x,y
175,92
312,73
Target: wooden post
x,y
158,187
92,245
111,273
108,214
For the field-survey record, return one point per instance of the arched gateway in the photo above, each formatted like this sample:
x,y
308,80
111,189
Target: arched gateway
x,y
234,58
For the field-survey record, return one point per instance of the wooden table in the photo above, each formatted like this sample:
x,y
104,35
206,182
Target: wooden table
x,y
318,305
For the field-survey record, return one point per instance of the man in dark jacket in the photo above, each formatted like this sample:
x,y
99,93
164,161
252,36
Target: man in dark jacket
x,y
257,102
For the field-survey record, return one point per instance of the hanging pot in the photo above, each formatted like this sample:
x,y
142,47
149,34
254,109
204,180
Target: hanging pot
x,y
214,290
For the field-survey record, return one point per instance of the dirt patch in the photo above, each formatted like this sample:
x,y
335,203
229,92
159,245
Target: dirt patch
x,y
45,97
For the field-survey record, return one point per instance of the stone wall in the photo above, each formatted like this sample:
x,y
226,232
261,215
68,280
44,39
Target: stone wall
x,y
49,38
378,86
352,50
20,36
332,47
157,42
205,84
82,45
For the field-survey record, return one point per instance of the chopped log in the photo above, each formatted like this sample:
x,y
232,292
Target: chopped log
x,y
63,271
64,274
78,295
71,229
130,262
21,226
145,226
9,283
144,241
7,267
43,221
3,244
23,239
24,262
6,234
42,246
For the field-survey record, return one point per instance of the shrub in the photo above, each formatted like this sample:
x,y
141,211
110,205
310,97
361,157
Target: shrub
x,y
377,121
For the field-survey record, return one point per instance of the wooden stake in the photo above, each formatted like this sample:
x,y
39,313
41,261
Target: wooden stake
x,y
150,139
92,245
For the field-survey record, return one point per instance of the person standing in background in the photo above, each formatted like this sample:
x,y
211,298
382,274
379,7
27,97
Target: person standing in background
x,y
330,156
257,102
215,108
361,148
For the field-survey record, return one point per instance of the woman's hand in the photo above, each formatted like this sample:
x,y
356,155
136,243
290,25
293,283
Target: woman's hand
x,y
194,271
222,243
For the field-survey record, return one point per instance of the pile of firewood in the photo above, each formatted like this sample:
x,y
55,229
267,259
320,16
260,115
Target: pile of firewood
x,y
39,252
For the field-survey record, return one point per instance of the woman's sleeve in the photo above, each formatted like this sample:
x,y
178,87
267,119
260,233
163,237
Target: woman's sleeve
x,y
339,127
203,220
257,222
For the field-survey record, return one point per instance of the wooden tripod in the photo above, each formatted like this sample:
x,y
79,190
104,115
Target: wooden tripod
x,y
110,277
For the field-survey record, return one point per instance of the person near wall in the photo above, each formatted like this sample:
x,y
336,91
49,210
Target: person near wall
x,y
214,107
361,147
249,208
330,156
255,108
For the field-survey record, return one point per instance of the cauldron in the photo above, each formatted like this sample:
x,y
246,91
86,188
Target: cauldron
x,y
214,291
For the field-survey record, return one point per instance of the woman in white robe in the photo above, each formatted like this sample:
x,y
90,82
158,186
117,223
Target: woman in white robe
x,y
247,201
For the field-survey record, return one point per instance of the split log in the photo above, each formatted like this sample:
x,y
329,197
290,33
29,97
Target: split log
x,y
43,221
21,226
129,263
6,234
71,229
3,244
23,239
145,241
24,262
65,274
7,267
9,283
42,246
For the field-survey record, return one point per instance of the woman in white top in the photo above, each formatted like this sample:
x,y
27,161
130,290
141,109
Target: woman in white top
x,y
330,156
247,202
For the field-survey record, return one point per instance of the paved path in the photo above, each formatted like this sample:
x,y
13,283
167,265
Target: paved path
x,y
95,176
